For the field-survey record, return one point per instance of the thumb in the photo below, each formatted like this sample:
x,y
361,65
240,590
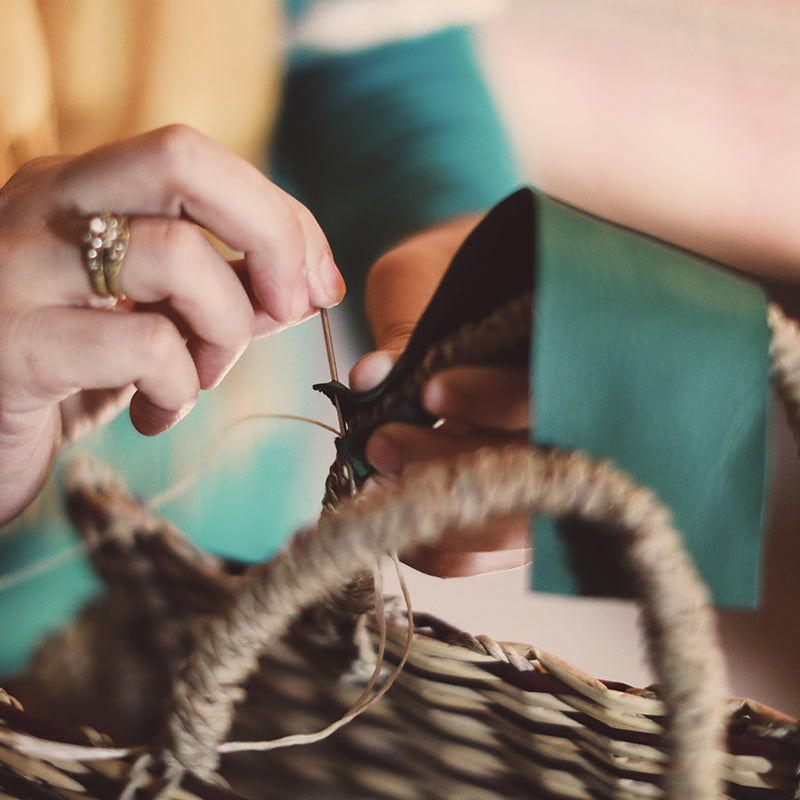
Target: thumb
x,y
370,370
399,287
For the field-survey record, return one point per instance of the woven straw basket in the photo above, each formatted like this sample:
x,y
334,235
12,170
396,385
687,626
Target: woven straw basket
x,y
187,655
466,717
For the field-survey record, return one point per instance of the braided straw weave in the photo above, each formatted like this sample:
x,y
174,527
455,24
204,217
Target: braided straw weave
x,y
467,717
463,496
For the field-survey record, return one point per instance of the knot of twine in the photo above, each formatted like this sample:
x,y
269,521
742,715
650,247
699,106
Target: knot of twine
x,y
464,494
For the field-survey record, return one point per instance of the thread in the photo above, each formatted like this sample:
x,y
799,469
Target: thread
x,y
365,699
189,480
41,567
173,492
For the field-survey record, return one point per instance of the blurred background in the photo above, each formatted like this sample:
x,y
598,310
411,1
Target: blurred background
x,y
680,118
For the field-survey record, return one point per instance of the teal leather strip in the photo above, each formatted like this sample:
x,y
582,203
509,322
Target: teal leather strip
x,y
658,360
385,142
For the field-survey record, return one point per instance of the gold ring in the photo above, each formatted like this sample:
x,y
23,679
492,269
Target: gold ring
x,y
105,243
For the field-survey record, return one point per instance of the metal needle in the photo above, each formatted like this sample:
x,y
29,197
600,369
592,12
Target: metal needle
x,y
326,331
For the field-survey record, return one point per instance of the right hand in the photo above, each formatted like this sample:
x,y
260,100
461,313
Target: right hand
x,y
66,367
480,406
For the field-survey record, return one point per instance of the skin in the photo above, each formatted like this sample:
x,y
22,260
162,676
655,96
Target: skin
x,y
65,367
481,406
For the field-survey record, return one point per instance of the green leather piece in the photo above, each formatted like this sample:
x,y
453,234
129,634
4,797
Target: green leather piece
x,y
493,266
658,360
641,353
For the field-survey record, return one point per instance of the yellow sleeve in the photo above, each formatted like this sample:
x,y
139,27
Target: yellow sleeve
x,y
74,75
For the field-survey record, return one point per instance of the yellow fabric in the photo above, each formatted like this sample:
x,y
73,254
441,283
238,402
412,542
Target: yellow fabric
x,y
75,73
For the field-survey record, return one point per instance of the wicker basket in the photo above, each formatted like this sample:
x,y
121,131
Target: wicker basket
x,y
186,653
467,717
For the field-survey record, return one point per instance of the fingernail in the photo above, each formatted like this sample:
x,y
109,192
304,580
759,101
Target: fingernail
x,y
371,370
325,284
435,398
384,454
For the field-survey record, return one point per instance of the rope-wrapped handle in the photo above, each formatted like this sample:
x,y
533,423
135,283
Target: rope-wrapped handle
x,y
784,352
464,494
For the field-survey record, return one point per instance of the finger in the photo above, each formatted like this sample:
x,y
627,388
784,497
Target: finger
x,y
370,370
453,563
321,284
172,262
169,264
263,323
69,349
484,397
324,282
178,172
402,282
392,447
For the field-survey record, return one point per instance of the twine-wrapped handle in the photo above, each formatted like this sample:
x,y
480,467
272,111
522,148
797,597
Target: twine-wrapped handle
x,y
464,494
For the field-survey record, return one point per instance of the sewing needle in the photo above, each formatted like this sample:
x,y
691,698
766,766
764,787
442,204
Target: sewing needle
x,y
326,332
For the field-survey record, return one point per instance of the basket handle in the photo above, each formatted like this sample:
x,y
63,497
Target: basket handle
x,y
784,353
464,494
679,624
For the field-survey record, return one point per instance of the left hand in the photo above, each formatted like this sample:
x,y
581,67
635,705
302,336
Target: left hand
x,y
187,313
481,406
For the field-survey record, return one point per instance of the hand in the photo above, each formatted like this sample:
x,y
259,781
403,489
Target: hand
x,y
480,406
189,313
